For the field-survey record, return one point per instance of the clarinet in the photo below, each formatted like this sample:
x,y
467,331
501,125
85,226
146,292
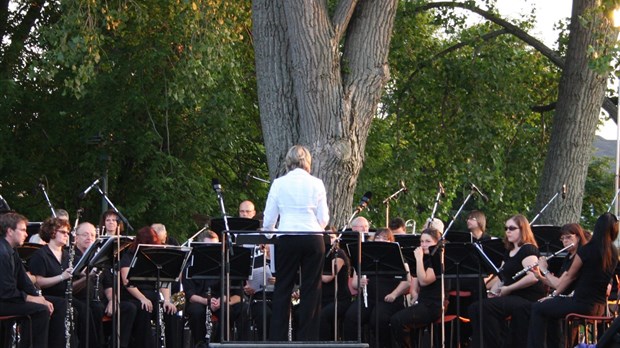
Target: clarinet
x,y
69,287
208,323
162,324
69,298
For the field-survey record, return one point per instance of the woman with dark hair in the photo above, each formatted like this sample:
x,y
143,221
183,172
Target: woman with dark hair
x,y
383,298
427,299
591,272
144,295
508,296
50,266
111,224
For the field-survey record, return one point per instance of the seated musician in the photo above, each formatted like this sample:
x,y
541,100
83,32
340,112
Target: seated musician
x,y
18,296
85,236
570,234
590,273
509,296
258,311
341,269
50,265
143,294
388,290
206,292
426,307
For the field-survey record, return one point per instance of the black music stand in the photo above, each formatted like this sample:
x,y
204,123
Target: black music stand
x,y
109,256
234,223
378,259
159,264
205,262
548,238
459,237
407,240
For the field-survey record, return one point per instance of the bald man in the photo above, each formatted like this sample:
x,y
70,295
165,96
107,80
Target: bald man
x,y
247,210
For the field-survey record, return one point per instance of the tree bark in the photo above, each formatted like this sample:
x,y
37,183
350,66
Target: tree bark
x,y
581,94
319,83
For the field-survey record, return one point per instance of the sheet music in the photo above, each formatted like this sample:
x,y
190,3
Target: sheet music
x,y
256,281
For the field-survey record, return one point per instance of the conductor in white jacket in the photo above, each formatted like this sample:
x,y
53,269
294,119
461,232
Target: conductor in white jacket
x,y
299,200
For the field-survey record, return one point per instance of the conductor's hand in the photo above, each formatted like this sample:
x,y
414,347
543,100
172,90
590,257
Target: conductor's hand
x,y
418,253
146,304
169,307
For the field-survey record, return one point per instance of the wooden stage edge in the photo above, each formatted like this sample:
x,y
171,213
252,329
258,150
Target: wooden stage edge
x,y
263,344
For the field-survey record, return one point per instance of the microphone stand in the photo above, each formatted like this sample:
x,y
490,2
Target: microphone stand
x,y
47,198
359,267
388,199
191,239
439,194
546,205
225,272
613,201
440,245
115,210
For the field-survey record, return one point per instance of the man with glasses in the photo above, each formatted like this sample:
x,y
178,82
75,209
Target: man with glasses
x,y
85,236
247,210
18,295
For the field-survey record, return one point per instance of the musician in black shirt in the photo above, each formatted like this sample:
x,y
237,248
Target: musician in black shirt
x,y
591,271
427,291
18,295
50,265
508,296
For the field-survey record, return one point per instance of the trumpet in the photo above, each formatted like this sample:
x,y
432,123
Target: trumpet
x,y
528,268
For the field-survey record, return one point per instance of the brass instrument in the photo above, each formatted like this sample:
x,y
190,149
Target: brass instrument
x,y
178,300
528,268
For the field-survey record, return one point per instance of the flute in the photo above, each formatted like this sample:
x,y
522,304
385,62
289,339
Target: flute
x,y
528,268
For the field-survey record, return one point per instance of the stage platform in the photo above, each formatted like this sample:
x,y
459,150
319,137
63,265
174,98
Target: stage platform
x,y
263,344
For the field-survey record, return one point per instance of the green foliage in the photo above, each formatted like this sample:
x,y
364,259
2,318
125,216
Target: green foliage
x,y
459,118
597,195
157,96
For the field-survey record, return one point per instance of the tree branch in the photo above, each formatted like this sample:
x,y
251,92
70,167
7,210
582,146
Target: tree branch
x,y
341,17
20,35
553,56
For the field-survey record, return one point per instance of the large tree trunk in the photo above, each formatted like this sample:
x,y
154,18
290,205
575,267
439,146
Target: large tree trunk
x,y
319,83
581,94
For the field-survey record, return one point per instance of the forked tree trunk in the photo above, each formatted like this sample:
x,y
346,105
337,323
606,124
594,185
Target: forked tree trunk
x,y
319,83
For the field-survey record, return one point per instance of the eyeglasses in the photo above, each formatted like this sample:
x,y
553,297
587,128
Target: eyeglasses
x,y
62,231
511,228
472,218
566,237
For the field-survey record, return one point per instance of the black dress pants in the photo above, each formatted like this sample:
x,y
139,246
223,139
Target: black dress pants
x,y
40,317
293,252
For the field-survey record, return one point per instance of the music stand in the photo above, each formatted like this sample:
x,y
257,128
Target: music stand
x,y
465,260
378,259
459,237
548,238
234,223
158,263
109,256
205,262
407,240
